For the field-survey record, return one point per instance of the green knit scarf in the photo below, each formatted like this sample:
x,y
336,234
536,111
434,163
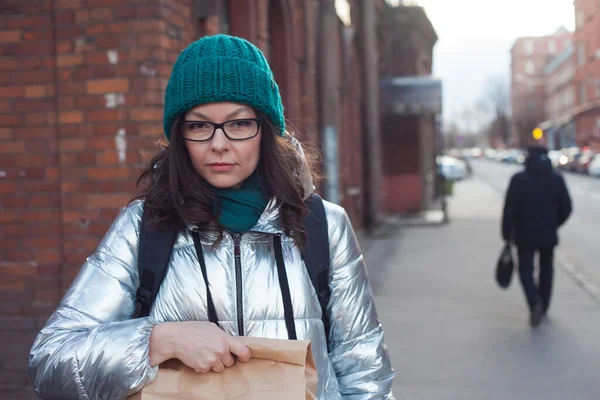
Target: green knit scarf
x,y
241,208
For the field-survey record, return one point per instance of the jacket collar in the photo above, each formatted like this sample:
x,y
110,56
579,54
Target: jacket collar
x,y
269,222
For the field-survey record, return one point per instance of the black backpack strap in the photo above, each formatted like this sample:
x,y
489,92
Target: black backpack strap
x,y
288,310
316,253
210,305
155,248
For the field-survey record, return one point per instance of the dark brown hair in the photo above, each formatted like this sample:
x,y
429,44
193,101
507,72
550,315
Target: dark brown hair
x,y
174,191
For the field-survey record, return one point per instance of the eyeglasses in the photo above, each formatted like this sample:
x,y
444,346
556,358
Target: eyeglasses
x,y
236,129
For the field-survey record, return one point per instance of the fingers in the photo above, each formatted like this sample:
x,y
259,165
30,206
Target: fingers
x,y
239,349
198,367
227,360
205,347
215,359
218,366
215,363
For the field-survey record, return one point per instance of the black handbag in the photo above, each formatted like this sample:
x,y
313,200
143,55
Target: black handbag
x,y
505,267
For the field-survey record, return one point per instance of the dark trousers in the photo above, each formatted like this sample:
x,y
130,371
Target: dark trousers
x,y
543,290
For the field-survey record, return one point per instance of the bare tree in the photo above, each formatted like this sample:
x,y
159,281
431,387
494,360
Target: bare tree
x,y
495,103
451,134
524,125
485,121
497,95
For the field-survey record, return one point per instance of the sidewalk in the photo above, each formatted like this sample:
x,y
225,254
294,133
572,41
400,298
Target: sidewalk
x,y
453,334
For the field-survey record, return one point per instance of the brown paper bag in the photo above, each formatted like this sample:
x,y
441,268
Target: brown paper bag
x,y
278,369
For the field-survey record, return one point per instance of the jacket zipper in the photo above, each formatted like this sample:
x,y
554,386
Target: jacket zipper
x,y
237,238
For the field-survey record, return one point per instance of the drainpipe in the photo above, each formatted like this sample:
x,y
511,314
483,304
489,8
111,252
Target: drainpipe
x,y
370,73
328,93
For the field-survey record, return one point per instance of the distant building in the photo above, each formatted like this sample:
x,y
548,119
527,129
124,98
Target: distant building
x,y
586,114
410,108
559,128
529,58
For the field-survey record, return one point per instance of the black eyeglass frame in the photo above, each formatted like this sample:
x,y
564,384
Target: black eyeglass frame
x,y
258,120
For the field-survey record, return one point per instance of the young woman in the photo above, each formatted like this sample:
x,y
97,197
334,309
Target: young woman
x,y
235,186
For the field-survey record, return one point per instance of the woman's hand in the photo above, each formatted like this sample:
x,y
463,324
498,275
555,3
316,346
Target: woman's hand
x,y
202,346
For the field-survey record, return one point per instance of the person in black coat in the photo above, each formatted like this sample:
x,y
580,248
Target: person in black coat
x,y
537,204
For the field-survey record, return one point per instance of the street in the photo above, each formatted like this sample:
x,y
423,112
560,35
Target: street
x,y
453,334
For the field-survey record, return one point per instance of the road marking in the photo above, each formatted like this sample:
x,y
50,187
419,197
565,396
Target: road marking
x,y
578,192
579,276
595,196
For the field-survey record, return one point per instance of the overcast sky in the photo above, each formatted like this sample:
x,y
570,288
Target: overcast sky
x,y
475,37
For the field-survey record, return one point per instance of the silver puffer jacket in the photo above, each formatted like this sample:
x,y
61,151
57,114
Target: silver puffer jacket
x,y
91,348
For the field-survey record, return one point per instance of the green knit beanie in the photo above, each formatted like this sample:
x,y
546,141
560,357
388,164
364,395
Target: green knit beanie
x,y
222,68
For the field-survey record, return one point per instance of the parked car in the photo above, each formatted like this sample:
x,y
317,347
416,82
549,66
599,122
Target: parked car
x,y
500,155
571,166
490,153
594,167
451,168
512,156
471,153
519,157
554,156
583,163
569,159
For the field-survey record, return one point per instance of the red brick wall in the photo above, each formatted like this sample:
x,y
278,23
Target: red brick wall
x,y
402,158
403,193
80,78
286,33
307,123
293,58
408,42
408,142
76,78
30,205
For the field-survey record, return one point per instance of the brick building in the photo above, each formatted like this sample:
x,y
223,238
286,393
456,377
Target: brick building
x,y
529,58
81,97
409,136
559,129
586,114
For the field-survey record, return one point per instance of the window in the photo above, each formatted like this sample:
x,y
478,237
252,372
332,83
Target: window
x,y
582,94
529,67
581,54
528,47
223,16
570,96
531,105
529,87
205,10
579,19
552,47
